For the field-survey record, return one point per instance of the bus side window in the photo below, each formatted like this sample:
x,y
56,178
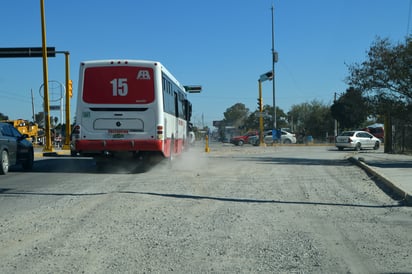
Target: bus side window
x,y
176,105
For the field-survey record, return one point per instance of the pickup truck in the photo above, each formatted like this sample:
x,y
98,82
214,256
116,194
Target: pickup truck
x,y
243,139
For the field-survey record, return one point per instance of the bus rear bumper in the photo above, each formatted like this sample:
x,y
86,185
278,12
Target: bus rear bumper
x,y
101,146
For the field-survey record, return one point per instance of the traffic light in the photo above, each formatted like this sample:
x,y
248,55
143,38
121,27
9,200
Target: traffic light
x,y
70,88
193,89
266,76
260,104
26,52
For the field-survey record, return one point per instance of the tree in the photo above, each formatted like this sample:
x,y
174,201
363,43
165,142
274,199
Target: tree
x,y
281,118
3,116
351,109
236,115
253,119
313,118
319,122
39,119
386,75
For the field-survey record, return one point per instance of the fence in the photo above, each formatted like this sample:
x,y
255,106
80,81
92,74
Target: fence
x,y
401,136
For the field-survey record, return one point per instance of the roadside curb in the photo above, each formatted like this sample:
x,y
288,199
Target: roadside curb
x,y
406,197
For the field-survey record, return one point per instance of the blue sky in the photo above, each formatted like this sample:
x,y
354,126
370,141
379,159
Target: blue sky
x,y
224,45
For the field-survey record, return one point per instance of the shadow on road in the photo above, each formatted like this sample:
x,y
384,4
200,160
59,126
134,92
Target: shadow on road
x,y
391,164
297,161
11,192
67,164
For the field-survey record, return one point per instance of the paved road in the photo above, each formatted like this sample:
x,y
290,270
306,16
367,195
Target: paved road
x,y
235,210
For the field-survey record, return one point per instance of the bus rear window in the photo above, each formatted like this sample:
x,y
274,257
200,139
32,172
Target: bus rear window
x,y
118,85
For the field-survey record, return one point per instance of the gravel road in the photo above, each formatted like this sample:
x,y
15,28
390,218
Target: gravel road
x,y
233,210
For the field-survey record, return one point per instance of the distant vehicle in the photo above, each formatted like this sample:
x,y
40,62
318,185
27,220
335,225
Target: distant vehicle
x,y
131,109
243,139
378,132
191,134
191,137
357,140
285,138
25,127
14,149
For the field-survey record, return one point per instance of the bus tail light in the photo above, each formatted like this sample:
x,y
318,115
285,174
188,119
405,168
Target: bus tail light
x,y
159,132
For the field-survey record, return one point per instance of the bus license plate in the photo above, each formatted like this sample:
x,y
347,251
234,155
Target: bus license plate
x,y
118,133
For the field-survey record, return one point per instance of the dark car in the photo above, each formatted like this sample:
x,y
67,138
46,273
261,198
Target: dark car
x,y
14,149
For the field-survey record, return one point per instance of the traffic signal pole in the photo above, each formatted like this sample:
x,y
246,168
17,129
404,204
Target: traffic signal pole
x,y
48,145
45,52
69,90
268,76
51,52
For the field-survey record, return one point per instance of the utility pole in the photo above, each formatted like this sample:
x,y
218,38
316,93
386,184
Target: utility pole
x,y
32,106
336,121
68,95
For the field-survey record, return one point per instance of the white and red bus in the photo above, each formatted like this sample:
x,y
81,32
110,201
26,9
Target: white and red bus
x,y
130,108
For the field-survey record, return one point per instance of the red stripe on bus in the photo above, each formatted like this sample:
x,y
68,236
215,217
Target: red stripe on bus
x,y
178,147
118,145
130,145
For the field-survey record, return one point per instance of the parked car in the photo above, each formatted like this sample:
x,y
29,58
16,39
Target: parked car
x,y
14,149
285,138
356,140
378,132
243,139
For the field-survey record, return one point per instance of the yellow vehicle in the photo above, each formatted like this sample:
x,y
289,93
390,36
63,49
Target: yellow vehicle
x,y
25,127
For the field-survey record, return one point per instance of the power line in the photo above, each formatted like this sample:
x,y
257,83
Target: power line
x,y
9,96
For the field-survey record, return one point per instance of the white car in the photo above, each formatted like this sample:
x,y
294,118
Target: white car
x,y
191,137
357,140
286,138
